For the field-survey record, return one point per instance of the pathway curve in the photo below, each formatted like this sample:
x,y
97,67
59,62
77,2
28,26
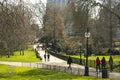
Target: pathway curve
x,y
60,62
54,60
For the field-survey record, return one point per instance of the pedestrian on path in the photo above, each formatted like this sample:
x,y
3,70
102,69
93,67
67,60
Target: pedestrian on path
x,y
45,57
111,63
69,61
48,57
103,63
97,64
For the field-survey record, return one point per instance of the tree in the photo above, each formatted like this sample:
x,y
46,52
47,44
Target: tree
x,y
54,23
105,25
15,27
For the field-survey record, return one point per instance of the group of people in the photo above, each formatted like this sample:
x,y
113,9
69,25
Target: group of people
x,y
103,63
99,63
46,56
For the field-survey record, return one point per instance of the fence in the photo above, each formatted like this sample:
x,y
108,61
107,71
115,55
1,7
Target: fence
x,y
73,70
91,63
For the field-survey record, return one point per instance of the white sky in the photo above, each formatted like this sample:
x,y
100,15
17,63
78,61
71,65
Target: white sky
x,y
44,1
35,1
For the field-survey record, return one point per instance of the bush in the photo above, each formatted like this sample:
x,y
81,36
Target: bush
x,y
100,53
113,52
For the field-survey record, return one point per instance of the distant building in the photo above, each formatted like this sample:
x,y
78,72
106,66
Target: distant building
x,y
62,5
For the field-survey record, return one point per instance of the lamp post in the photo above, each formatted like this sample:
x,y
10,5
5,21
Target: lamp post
x,y
80,54
87,35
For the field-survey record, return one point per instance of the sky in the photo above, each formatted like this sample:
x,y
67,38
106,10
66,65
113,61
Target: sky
x,y
36,1
44,1
33,2
95,11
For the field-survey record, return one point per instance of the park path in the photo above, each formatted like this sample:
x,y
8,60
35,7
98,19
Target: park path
x,y
59,62
54,60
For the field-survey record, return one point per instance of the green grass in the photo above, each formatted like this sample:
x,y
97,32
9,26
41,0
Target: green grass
x,y
115,58
91,61
29,56
24,73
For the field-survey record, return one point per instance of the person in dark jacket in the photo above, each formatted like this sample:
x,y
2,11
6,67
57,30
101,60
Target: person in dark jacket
x,y
45,56
48,56
111,63
69,61
103,63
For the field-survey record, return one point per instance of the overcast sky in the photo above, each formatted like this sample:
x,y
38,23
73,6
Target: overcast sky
x,y
35,1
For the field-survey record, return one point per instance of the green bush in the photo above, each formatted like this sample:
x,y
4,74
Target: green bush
x,y
100,53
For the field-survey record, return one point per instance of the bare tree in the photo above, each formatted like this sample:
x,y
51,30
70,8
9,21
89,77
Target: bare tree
x,y
104,25
15,28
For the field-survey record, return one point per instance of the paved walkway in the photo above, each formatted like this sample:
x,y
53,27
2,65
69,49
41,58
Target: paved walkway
x,y
59,62
54,60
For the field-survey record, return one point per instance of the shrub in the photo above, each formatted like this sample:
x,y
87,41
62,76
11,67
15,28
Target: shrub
x,y
100,53
113,52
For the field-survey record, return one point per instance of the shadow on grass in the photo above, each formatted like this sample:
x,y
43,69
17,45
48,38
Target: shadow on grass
x,y
7,75
3,76
47,75
40,74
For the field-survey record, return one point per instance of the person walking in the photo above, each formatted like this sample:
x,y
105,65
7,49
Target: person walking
x,y
45,57
97,64
103,63
111,63
69,61
48,57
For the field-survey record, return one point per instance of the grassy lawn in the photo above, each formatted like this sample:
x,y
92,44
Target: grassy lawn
x,y
115,58
29,56
24,73
91,61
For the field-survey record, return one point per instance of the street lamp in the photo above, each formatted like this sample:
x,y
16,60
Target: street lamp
x,y
87,35
80,53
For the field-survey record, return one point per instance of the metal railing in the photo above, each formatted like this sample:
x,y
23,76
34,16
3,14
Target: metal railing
x,y
72,70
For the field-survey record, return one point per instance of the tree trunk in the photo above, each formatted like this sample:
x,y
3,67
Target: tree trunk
x,y
23,52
